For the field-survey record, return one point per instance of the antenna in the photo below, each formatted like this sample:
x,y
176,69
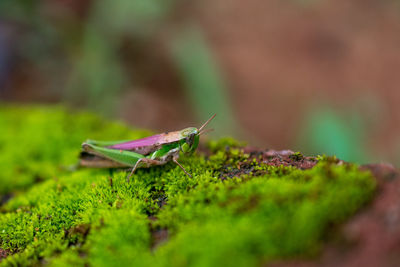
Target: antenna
x,y
205,124
206,131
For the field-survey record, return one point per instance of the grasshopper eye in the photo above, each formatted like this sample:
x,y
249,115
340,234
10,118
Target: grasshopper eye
x,y
189,140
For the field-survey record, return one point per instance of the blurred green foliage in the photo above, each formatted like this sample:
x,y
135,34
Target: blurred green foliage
x,y
99,76
203,81
83,61
326,131
42,143
18,8
88,217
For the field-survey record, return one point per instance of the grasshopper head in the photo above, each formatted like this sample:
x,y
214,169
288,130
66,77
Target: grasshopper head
x,y
190,140
191,137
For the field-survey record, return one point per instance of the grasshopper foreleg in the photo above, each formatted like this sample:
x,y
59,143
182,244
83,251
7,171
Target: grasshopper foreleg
x,y
175,159
152,162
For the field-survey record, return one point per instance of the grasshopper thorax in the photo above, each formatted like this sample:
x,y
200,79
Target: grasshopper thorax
x,y
190,140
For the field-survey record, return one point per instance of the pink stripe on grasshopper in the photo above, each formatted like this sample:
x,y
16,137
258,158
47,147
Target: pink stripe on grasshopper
x,y
147,141
158,139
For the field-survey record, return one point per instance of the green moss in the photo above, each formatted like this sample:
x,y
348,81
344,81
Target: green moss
x,y
88,217
42,143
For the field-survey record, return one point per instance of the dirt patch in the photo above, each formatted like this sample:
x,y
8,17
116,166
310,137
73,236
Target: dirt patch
x,y
5,198
371,237
282,157
269,157
77,234
4,253
158,235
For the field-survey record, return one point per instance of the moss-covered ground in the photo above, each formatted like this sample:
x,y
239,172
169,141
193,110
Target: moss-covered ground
x,y
52,215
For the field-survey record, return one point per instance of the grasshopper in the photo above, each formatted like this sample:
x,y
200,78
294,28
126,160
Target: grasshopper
x,y
142,153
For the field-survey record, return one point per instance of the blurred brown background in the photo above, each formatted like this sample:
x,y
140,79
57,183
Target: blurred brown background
x,y
315,76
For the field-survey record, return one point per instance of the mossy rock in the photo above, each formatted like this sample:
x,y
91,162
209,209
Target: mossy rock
x,y
241,208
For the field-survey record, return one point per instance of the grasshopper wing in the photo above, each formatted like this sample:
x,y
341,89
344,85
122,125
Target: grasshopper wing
x,y
142,146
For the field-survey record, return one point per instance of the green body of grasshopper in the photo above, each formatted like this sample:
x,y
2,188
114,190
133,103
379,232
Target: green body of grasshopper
x,y
142,153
